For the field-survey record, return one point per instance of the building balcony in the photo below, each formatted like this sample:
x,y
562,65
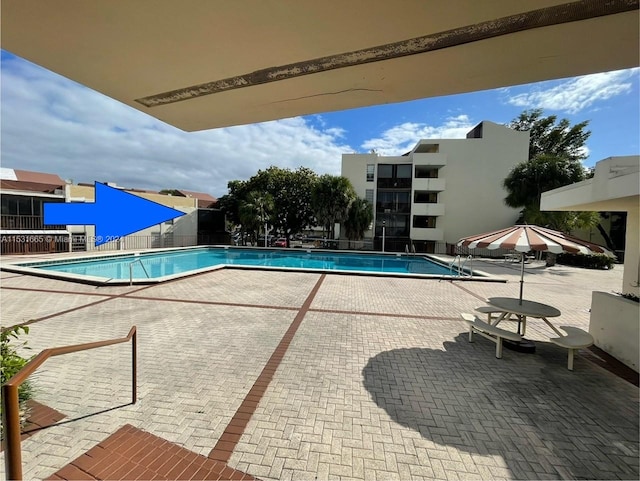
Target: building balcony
x,y
394,183
431,160
429,184
428,209
427,234
26,222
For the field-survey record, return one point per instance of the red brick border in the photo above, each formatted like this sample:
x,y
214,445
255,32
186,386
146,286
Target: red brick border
x,y
231,435
40,417
131,453
611,364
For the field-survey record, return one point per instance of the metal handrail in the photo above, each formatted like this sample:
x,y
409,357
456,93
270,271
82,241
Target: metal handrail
x,y
461,265
10,403
461,268
131,270
451,264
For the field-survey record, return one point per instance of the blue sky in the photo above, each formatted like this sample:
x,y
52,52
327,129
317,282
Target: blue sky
x,y
51,124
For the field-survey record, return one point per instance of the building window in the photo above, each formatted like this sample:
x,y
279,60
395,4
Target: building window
x,y
369,196
424,197
403,171
426,172
385,171
396,225
393,201
370,172
394,176
424,221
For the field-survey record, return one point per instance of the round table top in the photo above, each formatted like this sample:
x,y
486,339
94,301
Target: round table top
x,y
526,308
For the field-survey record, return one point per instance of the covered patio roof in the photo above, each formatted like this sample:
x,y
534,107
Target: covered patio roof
x,y
200,64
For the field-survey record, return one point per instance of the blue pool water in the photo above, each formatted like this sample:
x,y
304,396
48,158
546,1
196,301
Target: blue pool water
x,y
170,263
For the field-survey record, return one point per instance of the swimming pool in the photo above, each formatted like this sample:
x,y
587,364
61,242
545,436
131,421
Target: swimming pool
x,y
156,266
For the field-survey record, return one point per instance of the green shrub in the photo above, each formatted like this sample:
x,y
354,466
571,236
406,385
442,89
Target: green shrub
x,y
11,362
598,261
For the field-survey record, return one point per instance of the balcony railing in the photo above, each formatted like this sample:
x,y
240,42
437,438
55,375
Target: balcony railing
x,y
394,183
27,222
429,184
434,209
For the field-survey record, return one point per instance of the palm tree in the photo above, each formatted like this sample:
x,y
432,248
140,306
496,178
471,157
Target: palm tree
x,y
358,219
331,197
255,213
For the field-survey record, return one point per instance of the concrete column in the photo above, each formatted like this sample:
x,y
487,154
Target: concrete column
x,y
631,277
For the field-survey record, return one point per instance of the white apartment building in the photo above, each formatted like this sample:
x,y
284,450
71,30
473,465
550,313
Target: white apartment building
x,y
440,191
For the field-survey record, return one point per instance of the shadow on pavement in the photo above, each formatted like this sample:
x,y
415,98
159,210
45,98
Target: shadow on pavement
x,y
545,421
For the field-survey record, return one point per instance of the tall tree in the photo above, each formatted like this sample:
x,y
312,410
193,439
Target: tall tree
x,y
291,193
550,137
527,181
330,198
255,212
556,150
230,203
358,220
230,206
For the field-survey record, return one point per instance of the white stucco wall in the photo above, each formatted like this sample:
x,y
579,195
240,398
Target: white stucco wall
x,y
615,327
631,277
474,196
354,167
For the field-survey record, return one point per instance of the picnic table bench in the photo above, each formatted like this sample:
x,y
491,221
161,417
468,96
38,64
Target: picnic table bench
x,y
575,339
493,333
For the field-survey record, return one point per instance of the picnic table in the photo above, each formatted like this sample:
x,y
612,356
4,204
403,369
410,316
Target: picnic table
x,y
522,309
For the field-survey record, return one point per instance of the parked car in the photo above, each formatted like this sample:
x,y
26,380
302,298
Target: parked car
x,y
281,242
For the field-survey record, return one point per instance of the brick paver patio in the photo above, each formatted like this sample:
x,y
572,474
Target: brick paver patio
x,y
310,376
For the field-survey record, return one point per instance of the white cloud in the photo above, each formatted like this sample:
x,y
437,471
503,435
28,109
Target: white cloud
x,y
402,138
584,151
578,93
50,124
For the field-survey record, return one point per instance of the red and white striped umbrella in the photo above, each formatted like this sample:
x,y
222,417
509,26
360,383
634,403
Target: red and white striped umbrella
x,y
526,238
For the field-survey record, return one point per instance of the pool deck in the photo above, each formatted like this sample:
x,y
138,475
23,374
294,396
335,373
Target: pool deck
x,y
320,376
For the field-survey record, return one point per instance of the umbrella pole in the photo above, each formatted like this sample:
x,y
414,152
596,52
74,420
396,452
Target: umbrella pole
x,y
521,275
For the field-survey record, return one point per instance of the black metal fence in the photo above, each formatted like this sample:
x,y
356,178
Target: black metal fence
x,y
28,243
82,243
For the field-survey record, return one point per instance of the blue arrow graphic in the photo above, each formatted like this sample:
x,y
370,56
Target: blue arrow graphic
x,y
114,213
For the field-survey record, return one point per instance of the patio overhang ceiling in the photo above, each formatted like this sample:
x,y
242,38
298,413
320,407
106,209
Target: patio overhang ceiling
x,y
204,64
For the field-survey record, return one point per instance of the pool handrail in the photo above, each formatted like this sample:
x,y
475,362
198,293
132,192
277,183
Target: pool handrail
x,y
131,270
461,266
11,406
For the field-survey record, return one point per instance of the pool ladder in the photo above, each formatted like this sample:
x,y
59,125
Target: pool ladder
x,y
131,270
461,266
413,249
